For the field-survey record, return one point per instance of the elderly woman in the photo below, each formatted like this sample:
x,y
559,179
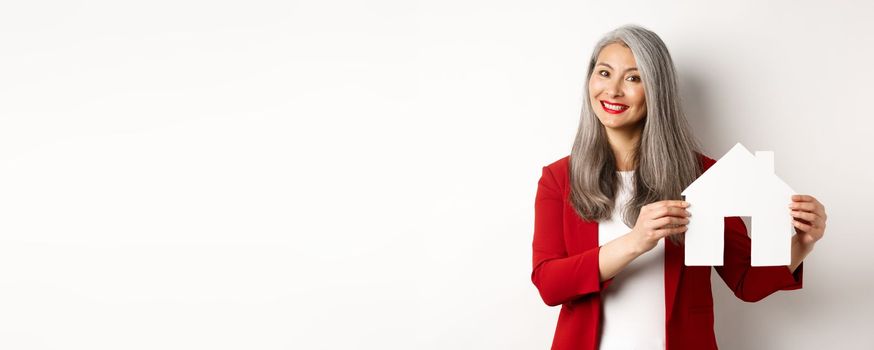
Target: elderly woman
x,y
601,214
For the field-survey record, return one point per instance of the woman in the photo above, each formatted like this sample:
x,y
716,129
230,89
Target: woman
x,y
602,211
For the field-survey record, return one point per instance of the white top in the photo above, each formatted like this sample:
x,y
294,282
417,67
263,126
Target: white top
x,y
634,303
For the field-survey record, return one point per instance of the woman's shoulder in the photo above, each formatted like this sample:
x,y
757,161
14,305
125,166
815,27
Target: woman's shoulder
x,y
704,161
561,163
558,169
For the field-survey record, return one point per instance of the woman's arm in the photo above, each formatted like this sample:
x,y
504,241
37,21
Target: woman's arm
x,y
616,255
750,283
799,252
655,221
558,277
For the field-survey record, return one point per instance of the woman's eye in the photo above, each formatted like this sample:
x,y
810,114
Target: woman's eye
x,y
603,73
634,78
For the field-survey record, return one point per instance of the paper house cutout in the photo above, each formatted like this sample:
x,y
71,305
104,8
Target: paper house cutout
x,y
739,184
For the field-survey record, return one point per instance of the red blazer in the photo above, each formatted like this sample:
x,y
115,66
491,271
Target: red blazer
x,y
566,272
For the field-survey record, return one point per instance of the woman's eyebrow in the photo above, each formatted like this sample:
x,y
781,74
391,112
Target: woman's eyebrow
x,y
608,66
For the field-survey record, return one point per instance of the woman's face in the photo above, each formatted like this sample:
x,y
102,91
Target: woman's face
x,y
616,89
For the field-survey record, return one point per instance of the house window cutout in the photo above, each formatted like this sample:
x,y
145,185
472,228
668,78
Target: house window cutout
x,y
739,184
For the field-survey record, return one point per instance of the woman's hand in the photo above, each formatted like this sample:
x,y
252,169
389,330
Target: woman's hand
x,y
658,220
655,221
809,221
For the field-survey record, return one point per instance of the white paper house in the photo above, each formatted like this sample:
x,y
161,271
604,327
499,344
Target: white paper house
x,y
739,184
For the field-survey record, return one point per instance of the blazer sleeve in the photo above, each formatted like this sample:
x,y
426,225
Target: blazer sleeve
x,y
750,283
559,278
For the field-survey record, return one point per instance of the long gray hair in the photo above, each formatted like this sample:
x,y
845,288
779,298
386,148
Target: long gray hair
x,y
665,158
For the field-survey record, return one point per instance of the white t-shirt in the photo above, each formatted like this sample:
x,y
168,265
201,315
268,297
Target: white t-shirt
x,y
634,303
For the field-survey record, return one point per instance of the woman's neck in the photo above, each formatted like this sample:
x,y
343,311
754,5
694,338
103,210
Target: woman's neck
x,y
624,143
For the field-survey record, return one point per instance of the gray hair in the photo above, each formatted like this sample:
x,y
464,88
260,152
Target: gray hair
x,y
665,159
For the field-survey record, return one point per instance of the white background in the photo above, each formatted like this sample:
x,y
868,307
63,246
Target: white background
x,y
361,175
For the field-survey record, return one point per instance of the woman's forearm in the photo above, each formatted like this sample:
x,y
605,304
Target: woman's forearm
x,y
615,256
799,252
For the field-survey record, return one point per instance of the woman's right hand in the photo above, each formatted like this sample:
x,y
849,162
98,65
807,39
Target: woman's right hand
x,y
658,220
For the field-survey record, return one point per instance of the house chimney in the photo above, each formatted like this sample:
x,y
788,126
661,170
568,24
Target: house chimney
x,y
765,161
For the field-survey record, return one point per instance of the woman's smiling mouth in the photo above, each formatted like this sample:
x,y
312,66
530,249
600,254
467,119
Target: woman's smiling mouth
x,y
613,108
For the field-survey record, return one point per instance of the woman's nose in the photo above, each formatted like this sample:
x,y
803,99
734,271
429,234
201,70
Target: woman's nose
x,y
613,88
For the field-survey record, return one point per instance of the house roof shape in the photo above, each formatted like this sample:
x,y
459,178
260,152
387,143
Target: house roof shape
x,y
739,167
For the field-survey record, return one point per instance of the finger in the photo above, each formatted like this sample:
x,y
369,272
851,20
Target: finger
x,y
817,205
805,206
803,198
819,208
801,226
670,231
668,220
669,211
804,221
670,203
807,216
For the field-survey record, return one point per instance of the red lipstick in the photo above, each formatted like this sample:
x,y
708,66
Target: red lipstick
x,y
613,111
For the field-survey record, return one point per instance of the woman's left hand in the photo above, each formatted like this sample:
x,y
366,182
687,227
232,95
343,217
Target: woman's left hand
x,y
809,219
